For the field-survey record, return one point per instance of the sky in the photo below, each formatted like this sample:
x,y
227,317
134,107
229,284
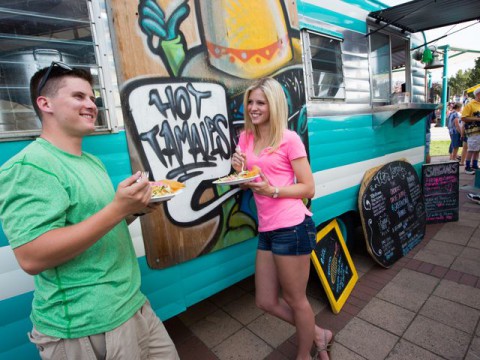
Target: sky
x,y
460,36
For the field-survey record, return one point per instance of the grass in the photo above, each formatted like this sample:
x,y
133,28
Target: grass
x,y
440,148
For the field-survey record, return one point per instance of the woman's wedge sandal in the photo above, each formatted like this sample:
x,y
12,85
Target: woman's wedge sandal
x,y
327,347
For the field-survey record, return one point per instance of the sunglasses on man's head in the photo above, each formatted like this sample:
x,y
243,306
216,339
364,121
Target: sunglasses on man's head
x,y
45,77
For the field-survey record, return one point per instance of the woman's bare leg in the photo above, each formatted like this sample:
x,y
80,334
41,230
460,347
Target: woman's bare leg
x,y
454,153
291,274
464,152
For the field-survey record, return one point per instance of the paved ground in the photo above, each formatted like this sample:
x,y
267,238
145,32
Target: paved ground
x,y
439,133
426,306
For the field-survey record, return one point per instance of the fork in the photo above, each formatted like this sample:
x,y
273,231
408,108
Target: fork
x,y
143,175
243,163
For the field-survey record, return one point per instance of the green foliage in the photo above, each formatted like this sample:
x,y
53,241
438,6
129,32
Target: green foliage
x,y
459,82
440,148
474,76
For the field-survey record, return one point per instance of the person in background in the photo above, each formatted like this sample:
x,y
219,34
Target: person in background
x,y
464,144
455,130
431,118
471,119
449,110
67,227
466,99
438,116
287,232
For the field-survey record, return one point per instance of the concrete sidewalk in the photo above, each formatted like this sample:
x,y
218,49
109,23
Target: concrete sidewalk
x,y
426,306
439,133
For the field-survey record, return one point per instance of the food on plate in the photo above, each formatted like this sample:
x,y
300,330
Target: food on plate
x,y
251,173
247,174
165,187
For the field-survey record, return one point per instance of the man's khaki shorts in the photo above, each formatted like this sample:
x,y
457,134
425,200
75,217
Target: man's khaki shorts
x,y
143,336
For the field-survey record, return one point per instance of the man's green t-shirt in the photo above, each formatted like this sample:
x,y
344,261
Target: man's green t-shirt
x,y
43,188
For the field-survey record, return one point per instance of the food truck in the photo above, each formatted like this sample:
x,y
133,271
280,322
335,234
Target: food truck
x,y
169,80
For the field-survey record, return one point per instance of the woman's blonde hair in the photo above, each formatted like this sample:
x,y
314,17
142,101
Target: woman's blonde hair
x,y
278,107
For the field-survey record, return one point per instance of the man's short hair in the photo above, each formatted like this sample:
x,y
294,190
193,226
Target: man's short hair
x,y
51,84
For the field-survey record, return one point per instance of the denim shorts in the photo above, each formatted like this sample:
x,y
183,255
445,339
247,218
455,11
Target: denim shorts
x,y
293,240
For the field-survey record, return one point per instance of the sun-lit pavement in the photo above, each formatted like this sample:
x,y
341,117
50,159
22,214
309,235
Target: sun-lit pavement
x,y
439,133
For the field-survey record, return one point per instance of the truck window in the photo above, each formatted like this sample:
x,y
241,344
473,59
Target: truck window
x,y
32,35
389,67
323,66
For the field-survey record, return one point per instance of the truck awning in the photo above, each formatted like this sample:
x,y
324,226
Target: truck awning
x,y
421,15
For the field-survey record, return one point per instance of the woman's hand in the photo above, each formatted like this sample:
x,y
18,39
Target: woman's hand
x,y
238,159
261,187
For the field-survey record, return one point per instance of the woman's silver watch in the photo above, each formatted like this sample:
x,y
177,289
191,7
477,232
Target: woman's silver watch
x,y
275,193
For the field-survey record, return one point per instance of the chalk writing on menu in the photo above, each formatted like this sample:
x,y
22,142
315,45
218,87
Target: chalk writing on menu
x,y
392,212
334,263
440,189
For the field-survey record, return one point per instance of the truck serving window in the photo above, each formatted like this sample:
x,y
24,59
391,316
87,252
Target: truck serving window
x,y
323,62
33,34
389,67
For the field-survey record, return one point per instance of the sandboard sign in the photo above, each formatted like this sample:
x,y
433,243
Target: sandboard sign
x,y
392,210
440,184
334,265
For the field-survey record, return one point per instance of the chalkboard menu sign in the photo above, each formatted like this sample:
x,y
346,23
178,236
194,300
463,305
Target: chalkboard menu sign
x,y
334,265
392,210
440,182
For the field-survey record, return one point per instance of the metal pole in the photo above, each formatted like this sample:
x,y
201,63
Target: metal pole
x,y
444,84
429,86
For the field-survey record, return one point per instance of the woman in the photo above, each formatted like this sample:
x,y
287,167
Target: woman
x,y
454,126
286,230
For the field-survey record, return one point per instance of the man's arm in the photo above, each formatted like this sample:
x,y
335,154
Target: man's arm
x,y
457,124
470,118
58,246
468,114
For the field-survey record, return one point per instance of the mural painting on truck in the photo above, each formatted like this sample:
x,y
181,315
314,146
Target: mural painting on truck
x,y
184,126
182,69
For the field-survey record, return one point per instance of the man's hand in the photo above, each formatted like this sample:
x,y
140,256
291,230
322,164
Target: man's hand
x,y
133,196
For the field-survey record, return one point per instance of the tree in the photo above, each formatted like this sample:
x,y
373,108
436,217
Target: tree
x,y
458,83
474,77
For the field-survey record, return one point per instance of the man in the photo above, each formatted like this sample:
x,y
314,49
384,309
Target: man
x,y
67,227
471,119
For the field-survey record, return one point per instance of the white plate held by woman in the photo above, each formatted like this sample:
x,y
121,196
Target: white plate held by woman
x,y
234,180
